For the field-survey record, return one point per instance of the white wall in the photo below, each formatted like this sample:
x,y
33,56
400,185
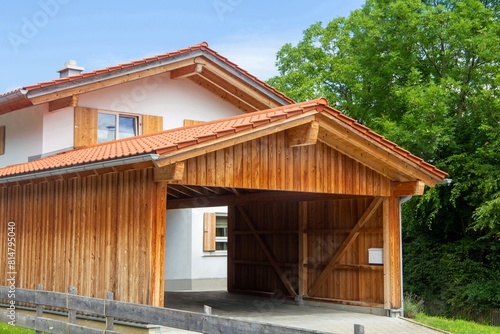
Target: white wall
x,y
175,100
185,261
23,135
58,130
178,262
205,265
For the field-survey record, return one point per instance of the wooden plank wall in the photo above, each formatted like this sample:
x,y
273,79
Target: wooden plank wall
x,y
277,225
96,233
269,163
327,225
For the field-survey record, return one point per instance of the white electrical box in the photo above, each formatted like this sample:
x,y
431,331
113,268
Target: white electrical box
x,y
375,255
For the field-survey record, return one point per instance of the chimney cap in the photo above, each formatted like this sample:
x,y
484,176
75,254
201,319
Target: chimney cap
x,y
72,65
70,68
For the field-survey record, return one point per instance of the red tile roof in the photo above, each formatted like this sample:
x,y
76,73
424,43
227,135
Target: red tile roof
x,y
171,141
202,47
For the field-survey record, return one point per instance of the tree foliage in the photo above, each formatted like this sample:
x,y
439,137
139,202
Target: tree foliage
x,y
425,74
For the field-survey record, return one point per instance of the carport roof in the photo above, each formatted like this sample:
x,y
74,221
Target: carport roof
x,y
170,145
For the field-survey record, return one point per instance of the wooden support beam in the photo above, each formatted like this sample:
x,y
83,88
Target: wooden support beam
x,y
170,172
345,246
269,255
186,71
394,257
303,135
230,94
303,249
210,200
410,188
386,253
68,101
215,73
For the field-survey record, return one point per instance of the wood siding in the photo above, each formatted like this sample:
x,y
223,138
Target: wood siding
x,y
269,163
96,233
151,124
85,133
303,237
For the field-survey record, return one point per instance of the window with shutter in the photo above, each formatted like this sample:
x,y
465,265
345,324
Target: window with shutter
x,y
215,232
188,122
94,126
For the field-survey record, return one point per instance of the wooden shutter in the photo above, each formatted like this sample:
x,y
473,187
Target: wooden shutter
x,y
188,122
2,140
85,127
151,124
209,232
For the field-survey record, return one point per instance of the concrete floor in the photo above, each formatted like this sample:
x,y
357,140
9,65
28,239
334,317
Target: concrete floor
x,y
317,316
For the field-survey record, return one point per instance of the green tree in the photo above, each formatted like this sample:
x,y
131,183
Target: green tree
x,y
425,74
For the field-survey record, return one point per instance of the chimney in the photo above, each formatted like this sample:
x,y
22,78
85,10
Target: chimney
x,y
69,68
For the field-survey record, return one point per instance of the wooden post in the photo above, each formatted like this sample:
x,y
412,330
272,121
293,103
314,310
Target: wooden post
x,y
39,308
109,320
395,251
303,254
71,313
359,329
387,253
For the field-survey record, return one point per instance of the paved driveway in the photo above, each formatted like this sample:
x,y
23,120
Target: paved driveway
x,y
321,318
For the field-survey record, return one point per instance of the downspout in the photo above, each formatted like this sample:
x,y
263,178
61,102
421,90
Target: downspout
x,y
80,168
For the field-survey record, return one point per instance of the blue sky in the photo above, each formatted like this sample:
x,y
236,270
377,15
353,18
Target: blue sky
x,y
38,37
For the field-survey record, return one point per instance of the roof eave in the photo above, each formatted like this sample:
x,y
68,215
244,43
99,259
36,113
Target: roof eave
x,y
192,54
251,82
14,96
37,92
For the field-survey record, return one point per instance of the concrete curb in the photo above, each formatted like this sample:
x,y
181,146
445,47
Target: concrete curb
x,y
424,325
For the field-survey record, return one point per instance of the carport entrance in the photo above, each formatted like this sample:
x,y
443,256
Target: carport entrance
x,y
297,244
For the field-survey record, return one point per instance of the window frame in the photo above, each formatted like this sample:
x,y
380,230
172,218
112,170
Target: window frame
x,y
221,239
117,114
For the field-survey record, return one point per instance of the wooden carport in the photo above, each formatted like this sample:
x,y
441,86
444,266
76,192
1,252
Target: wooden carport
x,y
309,190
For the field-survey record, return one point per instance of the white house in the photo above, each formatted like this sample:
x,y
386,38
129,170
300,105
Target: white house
x,y
172,90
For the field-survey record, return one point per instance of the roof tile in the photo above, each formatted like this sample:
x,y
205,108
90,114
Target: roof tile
x,y
201,46
176,139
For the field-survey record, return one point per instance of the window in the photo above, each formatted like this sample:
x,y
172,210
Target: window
x,y
111,126
215,232
221,232
94,126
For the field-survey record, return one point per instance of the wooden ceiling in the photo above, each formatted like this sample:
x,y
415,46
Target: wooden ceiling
x,y
181,196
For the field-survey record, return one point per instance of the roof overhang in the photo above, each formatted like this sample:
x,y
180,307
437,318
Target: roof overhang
x,y
305,123
218,75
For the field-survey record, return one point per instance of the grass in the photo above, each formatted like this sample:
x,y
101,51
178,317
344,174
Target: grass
x,y
6,328
456,326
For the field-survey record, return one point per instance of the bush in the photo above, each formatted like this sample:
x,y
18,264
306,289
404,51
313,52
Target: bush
x,y
412,305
